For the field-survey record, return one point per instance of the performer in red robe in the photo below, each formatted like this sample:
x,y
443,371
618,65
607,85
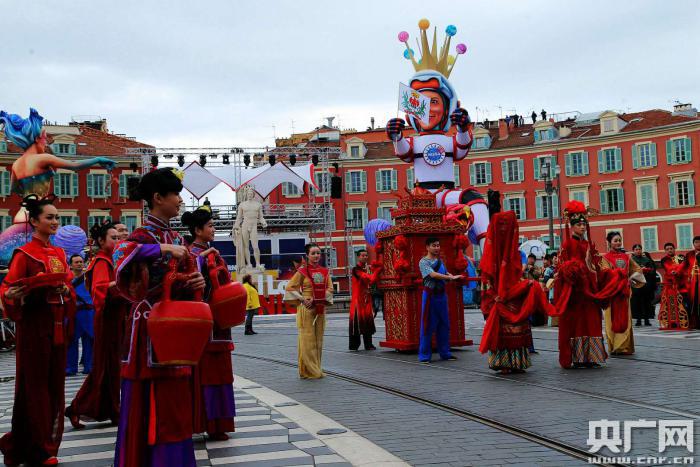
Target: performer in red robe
x,y
40,313
214,405
98,397
673,314
507,299
361,311
582,289
691,275
155,419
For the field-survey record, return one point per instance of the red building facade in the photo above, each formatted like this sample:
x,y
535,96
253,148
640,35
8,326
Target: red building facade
x,y
637,169
90,195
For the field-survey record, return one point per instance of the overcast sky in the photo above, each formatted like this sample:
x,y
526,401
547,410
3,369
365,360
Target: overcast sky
x,y
223,73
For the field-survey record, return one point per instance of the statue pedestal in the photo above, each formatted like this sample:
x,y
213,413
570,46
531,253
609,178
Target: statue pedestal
x,y
402,246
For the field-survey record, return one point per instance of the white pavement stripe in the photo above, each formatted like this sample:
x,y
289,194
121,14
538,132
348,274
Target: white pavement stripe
x,y
264,456
88,442
250,418
238,442
255,428
201,454
89,431
87,457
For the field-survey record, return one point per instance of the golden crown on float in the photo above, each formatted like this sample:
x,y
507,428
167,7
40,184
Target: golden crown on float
x,y
431,59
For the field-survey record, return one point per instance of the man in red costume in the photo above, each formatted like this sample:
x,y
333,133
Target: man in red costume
x,y
507,299
361,312
582,289
691,274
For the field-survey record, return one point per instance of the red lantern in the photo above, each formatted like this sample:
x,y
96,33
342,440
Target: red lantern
x,y
179,330
228,299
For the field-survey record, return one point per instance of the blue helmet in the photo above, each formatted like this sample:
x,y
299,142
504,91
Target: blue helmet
x,y
431,80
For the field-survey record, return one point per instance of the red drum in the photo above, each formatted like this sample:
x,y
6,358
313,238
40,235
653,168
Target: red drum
x,y
179,330
228,299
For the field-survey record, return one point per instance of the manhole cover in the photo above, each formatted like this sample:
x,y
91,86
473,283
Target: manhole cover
x,y
331,431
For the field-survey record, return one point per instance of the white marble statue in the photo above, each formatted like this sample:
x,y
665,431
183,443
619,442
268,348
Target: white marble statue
x,y
245,230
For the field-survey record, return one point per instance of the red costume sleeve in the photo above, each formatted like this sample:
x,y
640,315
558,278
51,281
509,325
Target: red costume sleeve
x,y
18,270
100,278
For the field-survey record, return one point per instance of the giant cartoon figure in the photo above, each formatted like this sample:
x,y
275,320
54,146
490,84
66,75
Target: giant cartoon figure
x,y
432,151
33,172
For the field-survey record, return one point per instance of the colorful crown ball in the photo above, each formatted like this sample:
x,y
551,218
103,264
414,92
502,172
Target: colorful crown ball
x,y
407,54
451,30
403,36
423,24
461,48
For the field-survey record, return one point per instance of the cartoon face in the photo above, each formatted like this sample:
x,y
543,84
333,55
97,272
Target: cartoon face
x,y
437,110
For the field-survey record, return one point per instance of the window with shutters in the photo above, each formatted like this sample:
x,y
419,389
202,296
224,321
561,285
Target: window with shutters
x,y
480,173
384,212
330,217
5,183
644,155
131,222
323,182
65,184
513,171
540,162
612,200
678,151
356,181
577,164
98,185
355,152
517,205
290,190
542,206
557,241
455,171
357,217
386,180
5,222
92,220
580,194
62,148
482,142
330,257
3,147
650,240
684,236
683,193
610,160
69,220
410,178
646,196
124,184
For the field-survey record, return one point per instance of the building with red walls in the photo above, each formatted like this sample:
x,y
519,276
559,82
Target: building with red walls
x,y
90,195
637,169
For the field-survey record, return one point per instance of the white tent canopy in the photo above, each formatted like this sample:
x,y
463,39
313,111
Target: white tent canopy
x,y
199,180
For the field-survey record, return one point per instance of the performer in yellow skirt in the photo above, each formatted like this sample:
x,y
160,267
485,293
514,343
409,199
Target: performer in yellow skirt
x,y
311,289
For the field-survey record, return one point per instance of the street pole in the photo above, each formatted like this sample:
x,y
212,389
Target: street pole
x,y
547,175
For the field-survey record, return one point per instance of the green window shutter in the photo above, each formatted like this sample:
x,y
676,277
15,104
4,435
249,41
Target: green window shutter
x,y
365,216
567,165
521,170
672,194
538,206
472,174
523,213
378,180
555,205
410,182
489,177
108,185
6,181
122,186
504,170
635,156
654,160
618,159
71,149
538,164
363,181
90,185
348,186
669,152
455,170
688,150
601,167
74,185
57,184
394,180
603,201
621,199
691,193
584,163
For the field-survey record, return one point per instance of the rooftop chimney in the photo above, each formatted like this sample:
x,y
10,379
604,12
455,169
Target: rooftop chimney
x,y
371,120
685,109
502,129
330,121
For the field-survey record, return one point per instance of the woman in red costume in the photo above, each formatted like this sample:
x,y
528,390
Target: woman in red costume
x,y
618,314
673,314
581,291
507,299
155,417
39,311
214,406
98,397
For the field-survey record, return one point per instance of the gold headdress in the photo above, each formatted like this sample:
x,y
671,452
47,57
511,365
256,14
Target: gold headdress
x,y
432,59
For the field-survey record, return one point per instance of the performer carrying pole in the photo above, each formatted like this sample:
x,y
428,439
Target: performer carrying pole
x,y
40,311
361,311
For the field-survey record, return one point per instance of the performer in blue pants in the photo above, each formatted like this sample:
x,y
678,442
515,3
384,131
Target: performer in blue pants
x,y
84,316
434,313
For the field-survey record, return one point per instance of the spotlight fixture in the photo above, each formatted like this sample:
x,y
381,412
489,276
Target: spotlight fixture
x,y
213,156
336,166
272,159
180,160
293,159
202,160
154,161
246,159
225,159
167,156
134,166
314,159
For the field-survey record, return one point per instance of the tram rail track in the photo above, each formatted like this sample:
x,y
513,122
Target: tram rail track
x,y
551,443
